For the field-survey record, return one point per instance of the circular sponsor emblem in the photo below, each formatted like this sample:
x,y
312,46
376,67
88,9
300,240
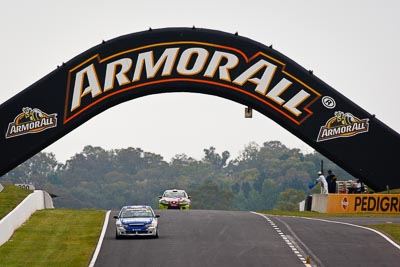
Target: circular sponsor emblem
x,y
328,102
345,203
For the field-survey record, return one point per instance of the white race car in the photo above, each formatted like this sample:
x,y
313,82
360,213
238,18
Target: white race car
x,y
136,221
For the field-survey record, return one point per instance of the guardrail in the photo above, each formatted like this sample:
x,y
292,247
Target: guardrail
x,y
38,200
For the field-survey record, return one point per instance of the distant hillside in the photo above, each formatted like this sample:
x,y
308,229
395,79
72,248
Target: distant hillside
x,y
107,179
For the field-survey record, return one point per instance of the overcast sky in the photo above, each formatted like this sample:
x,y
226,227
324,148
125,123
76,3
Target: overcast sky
x,y
354,46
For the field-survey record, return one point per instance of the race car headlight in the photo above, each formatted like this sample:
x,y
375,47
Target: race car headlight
x,y
184,202
119,224
163,201
152,224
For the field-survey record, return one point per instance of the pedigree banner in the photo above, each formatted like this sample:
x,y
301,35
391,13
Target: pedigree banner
x,y
198,61
363,203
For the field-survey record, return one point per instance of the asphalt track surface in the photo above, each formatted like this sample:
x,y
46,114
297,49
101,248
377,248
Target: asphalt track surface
x,y
238,238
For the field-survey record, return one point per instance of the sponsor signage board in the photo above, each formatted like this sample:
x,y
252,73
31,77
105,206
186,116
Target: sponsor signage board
x,y
363,203
26,186
199,61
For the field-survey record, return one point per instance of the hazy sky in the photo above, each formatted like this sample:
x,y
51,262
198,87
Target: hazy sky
x,y
354,46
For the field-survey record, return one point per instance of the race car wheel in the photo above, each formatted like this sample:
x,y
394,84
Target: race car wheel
x,y
117,236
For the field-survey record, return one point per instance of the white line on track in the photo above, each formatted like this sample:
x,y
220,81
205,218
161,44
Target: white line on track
x,y
286,239
100,242
358,226
328,221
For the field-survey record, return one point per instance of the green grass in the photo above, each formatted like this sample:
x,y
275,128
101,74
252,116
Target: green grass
x,y
392,191
10,197
54,237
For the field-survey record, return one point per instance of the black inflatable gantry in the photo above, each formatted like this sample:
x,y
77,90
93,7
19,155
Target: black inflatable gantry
x,y
199,61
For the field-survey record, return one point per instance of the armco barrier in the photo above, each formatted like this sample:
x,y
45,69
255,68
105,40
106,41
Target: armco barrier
x,y
37,200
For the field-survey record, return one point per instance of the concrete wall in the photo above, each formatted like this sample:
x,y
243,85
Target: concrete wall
x,y
37,200
319,202
302,205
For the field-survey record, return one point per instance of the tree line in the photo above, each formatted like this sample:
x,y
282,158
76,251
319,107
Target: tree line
x,y
266,177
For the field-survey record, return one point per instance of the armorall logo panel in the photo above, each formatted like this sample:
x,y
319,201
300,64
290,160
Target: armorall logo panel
x,y
31,121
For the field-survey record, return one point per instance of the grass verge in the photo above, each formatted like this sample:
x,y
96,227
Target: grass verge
x,y
10,197
54,237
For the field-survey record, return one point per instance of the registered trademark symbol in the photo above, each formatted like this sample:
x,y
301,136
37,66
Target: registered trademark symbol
x,y
328,102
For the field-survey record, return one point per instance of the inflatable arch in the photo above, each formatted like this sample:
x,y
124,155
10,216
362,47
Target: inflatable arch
x,y
200,61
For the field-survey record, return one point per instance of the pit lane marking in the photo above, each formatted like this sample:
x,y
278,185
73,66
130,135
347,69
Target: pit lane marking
x,y
286,239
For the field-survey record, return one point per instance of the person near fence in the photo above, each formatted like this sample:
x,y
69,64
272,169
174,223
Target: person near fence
x,y
331,180
324,185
